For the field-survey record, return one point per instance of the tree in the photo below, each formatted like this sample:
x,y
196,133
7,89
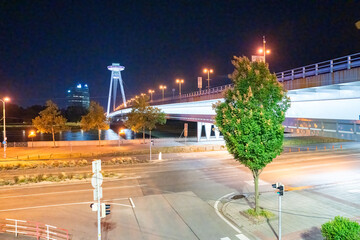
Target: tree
x,y
341,228
251,117
143,116
50,120
95,119
74,113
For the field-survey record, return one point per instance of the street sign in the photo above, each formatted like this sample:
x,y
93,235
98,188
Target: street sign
x,y
96,179
185,129
200,82
96,166
255,58
97,195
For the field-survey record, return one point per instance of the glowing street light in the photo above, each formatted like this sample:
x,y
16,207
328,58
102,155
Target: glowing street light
x,y
263,50
6,99
31,135
208,71
121,131
162,88
151,93
180,81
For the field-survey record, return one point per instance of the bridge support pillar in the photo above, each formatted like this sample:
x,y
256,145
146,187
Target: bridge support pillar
x,y
208,130
217,132
199,130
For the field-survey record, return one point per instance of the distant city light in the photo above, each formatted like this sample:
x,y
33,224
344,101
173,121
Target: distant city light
x,y
69,91
85,85
79,86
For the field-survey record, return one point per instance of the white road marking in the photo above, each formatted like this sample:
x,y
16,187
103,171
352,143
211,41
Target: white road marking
x,y
241,237
132,203
64,192
354,191
221,216
261,182
45,206
225,238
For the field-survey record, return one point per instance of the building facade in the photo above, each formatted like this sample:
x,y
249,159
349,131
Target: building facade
x,y
78,96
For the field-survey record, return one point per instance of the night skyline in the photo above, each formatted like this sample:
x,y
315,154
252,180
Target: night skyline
x,y
47,47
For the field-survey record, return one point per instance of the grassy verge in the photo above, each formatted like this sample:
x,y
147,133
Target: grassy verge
x,y
305,140
260,217
26,179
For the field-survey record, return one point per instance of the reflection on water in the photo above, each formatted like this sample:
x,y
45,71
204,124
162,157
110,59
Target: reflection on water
x,y
21,135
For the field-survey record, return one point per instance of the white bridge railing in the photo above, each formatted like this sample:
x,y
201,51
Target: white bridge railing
x,y
34,229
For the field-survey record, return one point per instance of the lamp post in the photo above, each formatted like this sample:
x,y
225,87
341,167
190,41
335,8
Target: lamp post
x,y
180,81
121,131
5,139
151,93
32,134
208,71
263,50
162,88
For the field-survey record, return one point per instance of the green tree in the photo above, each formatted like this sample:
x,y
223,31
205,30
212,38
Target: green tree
x,y
143,116
341,228
50,120
95,119
251,117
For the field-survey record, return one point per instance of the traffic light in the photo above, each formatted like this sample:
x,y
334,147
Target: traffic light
x,y
94,207
280,187
105,210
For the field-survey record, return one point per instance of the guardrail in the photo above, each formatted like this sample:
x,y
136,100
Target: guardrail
x,y
329,66
35,229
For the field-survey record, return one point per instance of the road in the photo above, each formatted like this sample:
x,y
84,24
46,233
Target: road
x,y
174,198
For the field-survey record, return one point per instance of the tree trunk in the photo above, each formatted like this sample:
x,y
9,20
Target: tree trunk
x,y
99,137
256,183
53,136
144,135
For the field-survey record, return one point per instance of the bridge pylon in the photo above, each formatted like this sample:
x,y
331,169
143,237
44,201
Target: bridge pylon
x,y
115,69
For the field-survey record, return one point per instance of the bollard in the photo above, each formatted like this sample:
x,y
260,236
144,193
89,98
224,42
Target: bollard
x,y
340,146
316,148
159,155
324,147
289,149
308,148
333,146
299,149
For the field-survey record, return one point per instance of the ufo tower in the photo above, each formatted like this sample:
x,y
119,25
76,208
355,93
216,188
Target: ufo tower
x,y
115,69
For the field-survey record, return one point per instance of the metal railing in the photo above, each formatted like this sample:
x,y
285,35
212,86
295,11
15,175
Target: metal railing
x,y
35,229
329,66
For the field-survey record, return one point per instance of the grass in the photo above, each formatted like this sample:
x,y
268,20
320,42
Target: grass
x,y
26,179
305,140
261,216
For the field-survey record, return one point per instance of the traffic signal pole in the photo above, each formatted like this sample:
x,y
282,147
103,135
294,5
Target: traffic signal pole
x,y
279,237
281,189
98,210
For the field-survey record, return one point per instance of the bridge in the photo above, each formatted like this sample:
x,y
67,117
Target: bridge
x,y
325,100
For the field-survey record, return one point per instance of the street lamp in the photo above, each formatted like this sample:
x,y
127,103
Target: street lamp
x,y
208,71
5,138
121,131
263,50
180,81
32,134
151,93
162,88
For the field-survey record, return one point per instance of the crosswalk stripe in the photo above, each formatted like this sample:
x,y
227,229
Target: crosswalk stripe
x,y
225,238
241,236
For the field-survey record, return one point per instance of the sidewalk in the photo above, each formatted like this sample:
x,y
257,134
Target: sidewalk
x,y
303,213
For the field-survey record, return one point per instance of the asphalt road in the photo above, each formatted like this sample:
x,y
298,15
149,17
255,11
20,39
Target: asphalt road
x,y
174,199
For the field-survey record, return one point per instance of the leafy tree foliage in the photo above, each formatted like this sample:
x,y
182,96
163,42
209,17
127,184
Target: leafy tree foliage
x,y
143,116
95,119
50,120
251,117
74,113
341,228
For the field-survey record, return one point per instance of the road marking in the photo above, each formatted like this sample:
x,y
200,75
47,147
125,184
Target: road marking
x,y
221,216
261,182
45,206
132,203
225,238
241,237
82,190
354,191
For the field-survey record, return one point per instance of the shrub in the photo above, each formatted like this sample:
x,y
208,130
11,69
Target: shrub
x,y
341,228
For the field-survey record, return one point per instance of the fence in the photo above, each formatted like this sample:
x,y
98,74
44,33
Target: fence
x,y
34,229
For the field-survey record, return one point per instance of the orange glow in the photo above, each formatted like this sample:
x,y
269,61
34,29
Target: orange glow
x,y
121,131
260,50
267,51
162,87
6,99
32,134
205,70
179,80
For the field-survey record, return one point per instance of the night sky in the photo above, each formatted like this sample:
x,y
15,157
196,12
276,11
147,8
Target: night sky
x,y
48,46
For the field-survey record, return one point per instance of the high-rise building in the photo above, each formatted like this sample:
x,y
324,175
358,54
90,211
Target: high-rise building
x,y
78,96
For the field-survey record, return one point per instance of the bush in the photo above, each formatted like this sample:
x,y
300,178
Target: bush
x,y
341,228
